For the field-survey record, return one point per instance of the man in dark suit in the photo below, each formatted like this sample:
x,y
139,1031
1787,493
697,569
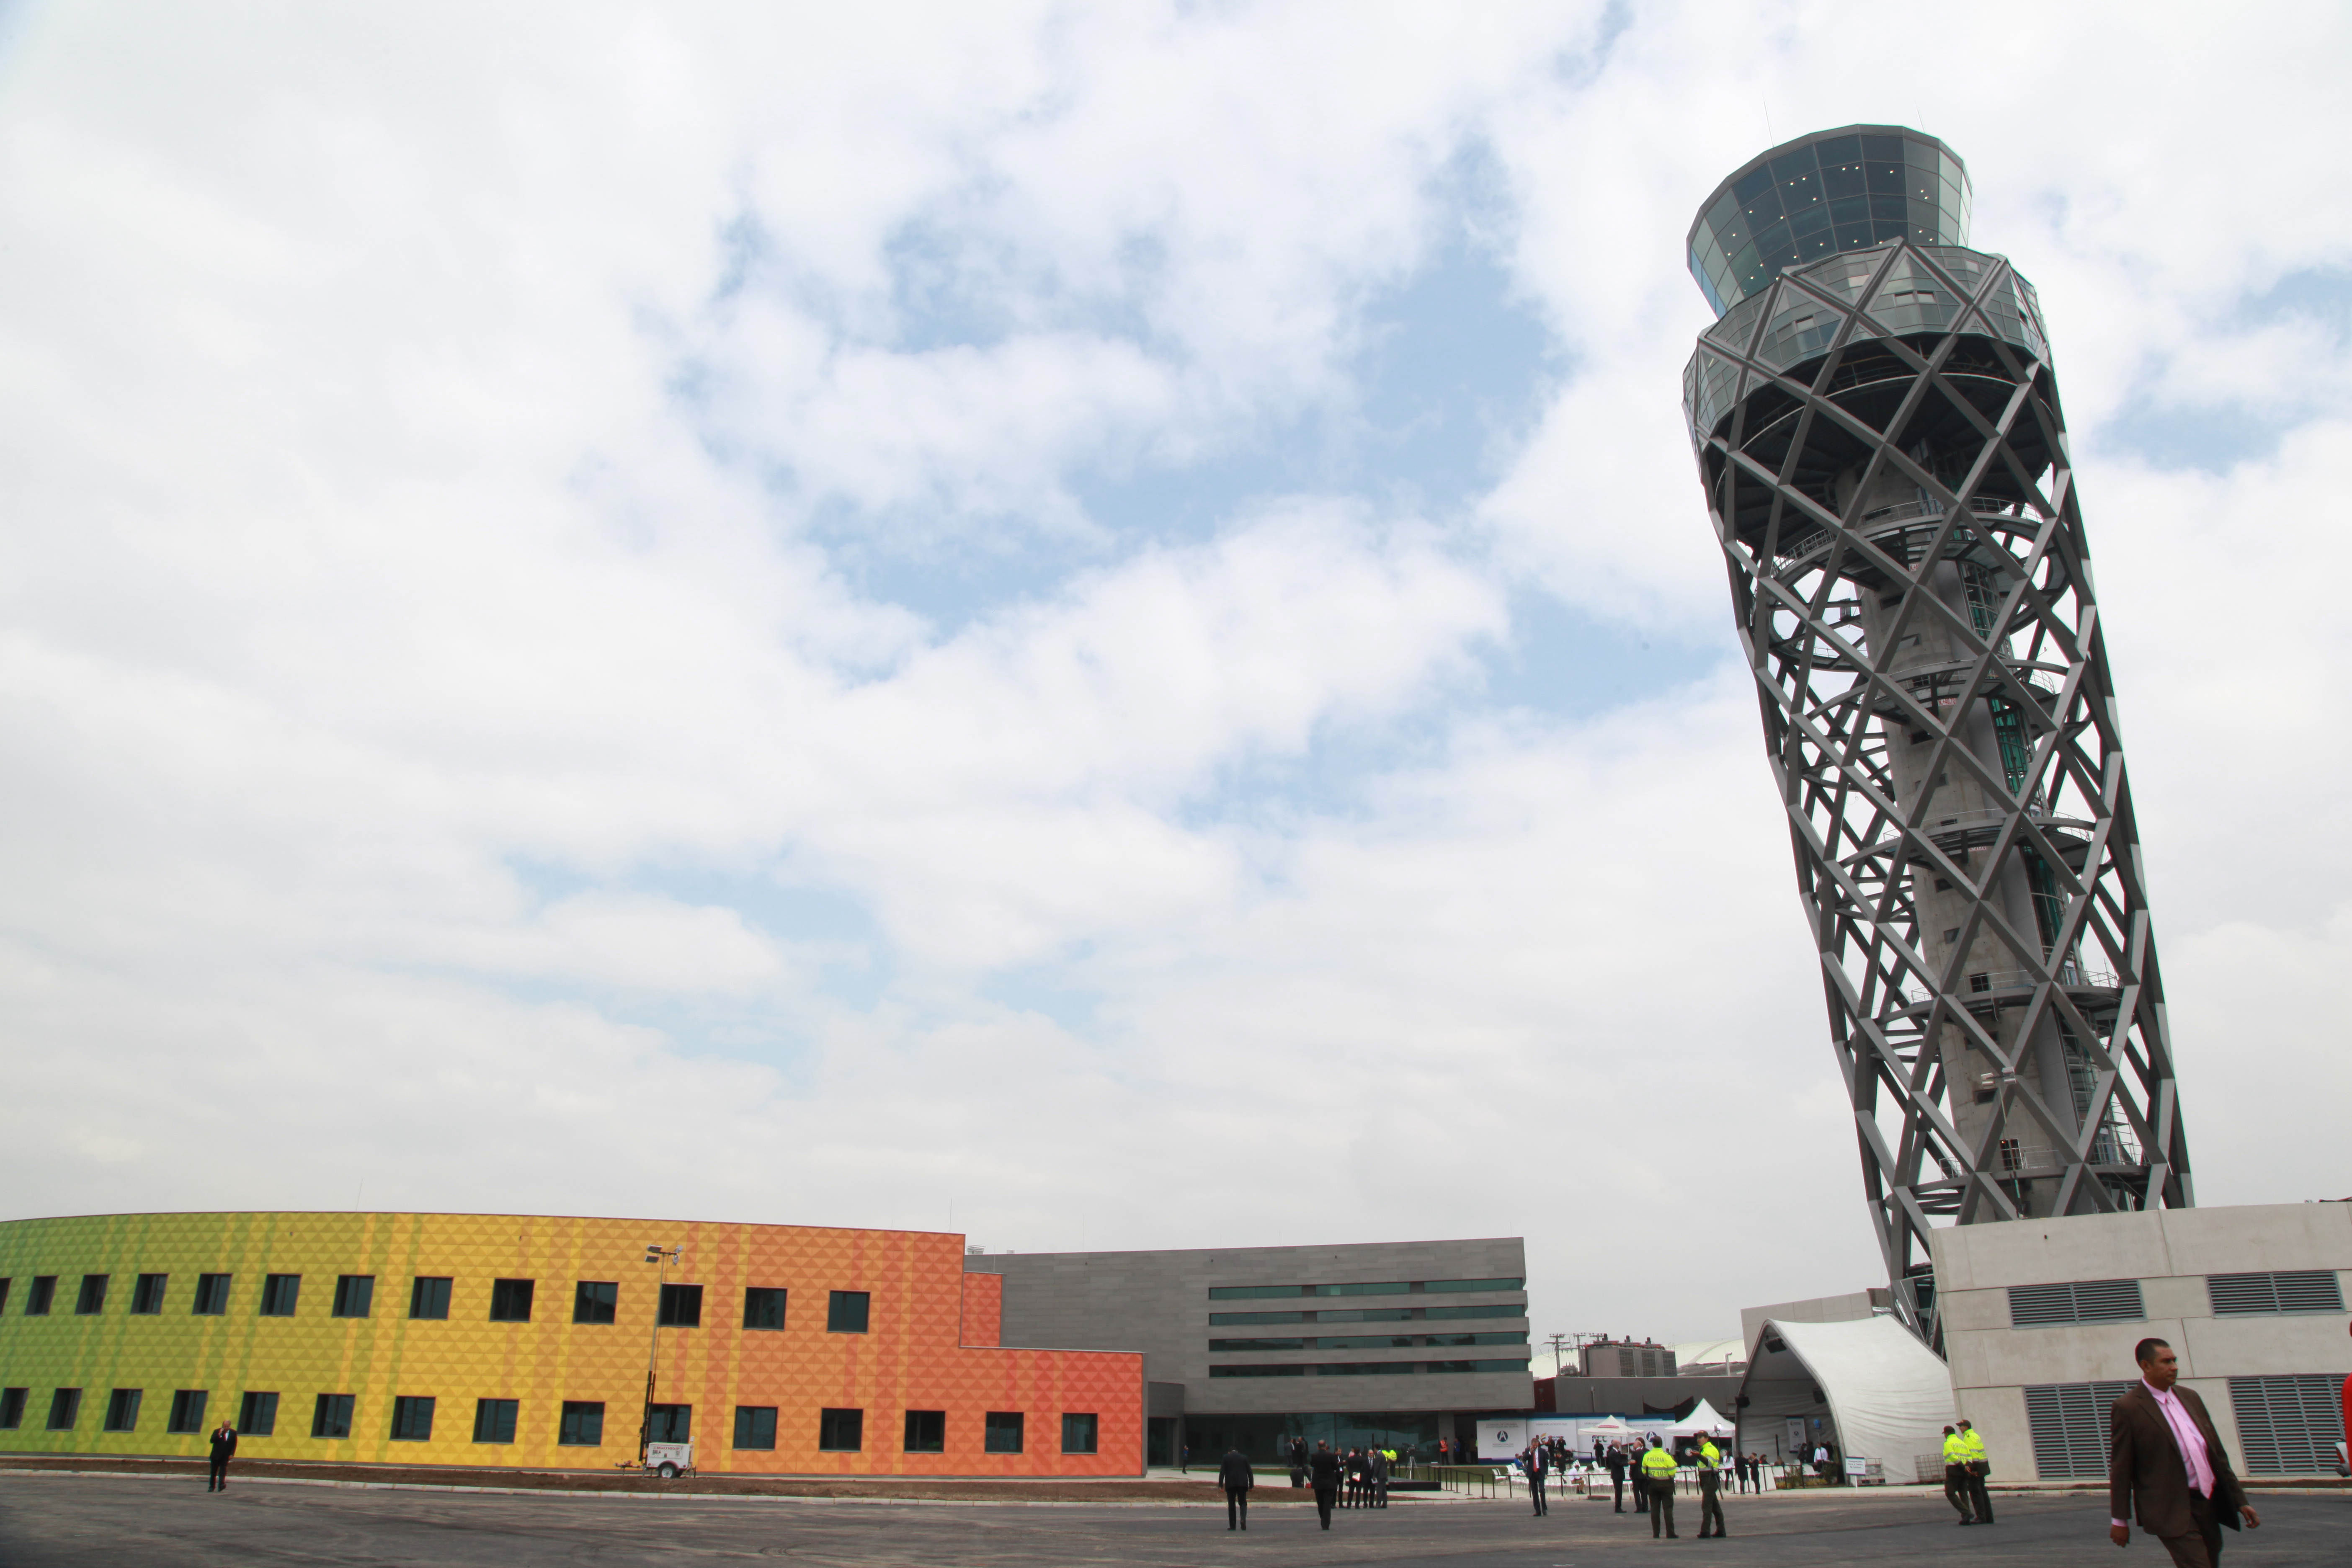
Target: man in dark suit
x,y
1324,1468
224,1450
1535,1463
1234,1475
2165,1458
1615,1460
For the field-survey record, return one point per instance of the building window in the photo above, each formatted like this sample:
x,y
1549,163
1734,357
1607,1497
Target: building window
x,y
1475,1312
64,1409
1951,934
841,1431
494,1420
2068,1424
1294,1345
4,1293
510,1300
354,1295
1221,1318
212,1295
1078,1433
1257,1372
669,1424
11,1408
926,1432
2079,1301
92,1298
428,1296
681,1307
147,1294
847,1312
1005,1428
2288,1425
332,1416
1381,1288
764,1308
37,1298
2274,1294
755,1426
257,1415
187,1411
1254,1292
411,1419
279,1292
583,1425
595,1300
122,1410
1979,983
1473,1284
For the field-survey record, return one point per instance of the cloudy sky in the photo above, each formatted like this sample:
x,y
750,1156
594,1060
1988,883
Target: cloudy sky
x,y
1084,624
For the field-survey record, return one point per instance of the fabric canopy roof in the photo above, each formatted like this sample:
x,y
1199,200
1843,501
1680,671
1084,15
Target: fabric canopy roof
x,y
1888,1395
1706,1418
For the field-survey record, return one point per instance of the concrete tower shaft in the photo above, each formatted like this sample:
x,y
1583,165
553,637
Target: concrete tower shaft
x,y
1879,434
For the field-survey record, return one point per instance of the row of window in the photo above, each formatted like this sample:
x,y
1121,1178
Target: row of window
x,y
2274,1293
1366,1368
511,1300
580,1424
1384,1288
1369,1342
1367,1315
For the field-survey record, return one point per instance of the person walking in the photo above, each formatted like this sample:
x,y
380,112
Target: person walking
x,y
1979,1465
1299,1461
1233,1474
1956,1489
1615,1461
1658,1480
2165,1460
1537,1464
1710,1488
224,1450
1324,1468
1383,1460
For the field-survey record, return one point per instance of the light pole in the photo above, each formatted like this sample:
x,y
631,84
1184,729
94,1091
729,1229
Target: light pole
x,y
662,1258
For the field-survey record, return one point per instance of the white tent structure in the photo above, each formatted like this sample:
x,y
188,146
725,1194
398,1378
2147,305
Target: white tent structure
x,y
1706,1418
1867,1385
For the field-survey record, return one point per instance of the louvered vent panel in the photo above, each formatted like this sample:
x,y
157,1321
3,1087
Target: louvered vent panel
x,y
2289,1425
2069,1424
2081,1302
2288,1290
2030,1305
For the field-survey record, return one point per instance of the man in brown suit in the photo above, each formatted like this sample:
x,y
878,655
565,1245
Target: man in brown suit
x,y
2164,1454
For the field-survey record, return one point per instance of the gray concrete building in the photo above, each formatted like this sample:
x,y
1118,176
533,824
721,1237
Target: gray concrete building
x,y
1393,1343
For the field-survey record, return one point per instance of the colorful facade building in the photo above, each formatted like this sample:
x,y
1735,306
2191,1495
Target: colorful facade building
x,y
525,1341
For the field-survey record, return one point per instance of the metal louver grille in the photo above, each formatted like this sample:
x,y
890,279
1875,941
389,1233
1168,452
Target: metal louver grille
x,y
2288,1425
2069,1423
2291,1290
2079,1301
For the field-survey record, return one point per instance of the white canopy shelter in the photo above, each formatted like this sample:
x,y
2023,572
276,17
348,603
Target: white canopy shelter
x,y
1706,1418
1887,1395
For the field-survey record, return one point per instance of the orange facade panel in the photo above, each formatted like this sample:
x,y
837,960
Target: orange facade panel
x,y
771,1327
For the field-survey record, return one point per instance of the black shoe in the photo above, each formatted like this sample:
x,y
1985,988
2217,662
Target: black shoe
x,y
1965,1522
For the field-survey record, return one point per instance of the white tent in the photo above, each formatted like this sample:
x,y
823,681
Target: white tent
x,y
1887,1395
1706,1418
1607,1426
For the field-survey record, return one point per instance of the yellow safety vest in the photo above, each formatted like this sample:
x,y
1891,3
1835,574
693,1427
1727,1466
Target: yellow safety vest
x,y
1956,1450
1658,1465
1975,1446
1709,1456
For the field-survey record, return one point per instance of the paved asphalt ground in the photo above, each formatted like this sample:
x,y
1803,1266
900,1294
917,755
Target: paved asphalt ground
x,y
68,1522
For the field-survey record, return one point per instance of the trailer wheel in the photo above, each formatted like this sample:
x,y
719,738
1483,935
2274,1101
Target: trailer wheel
x,y
669,1471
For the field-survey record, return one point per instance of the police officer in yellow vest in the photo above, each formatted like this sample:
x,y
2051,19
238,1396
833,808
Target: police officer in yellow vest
x,y
1979,1466
1710,1488
1956,1475
1658,1476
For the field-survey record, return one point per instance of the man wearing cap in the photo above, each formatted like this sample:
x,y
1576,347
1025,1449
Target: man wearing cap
x,y
1658,1478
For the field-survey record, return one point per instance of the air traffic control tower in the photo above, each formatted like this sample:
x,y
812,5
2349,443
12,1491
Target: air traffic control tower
x,y
1878,430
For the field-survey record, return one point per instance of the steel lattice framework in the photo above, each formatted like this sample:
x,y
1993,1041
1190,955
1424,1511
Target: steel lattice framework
x,y
1883,453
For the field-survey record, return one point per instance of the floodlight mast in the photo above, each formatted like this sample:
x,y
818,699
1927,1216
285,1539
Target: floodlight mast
x,y
1879,435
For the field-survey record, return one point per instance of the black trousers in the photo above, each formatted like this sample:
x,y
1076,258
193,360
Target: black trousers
x,y
1324,1498
1710,1500
1662,1507
1956,1490
1536,1492
1237,1508
1978,1496
218,1479
1617,1490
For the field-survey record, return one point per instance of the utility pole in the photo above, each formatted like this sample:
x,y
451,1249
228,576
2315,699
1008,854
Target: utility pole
x,y
663,1256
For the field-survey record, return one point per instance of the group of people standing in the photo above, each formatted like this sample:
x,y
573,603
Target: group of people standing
x,y
1357,1478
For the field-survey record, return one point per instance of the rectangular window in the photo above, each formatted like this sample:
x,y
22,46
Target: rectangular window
x,y
64,1409
122,1410
755,1426
1078,1433
1257,1372
595,1300
846,1314
187,1411
37,1298
332,1416
841,1431
2265,1295
257,1415
583,1425
279,1292
926,1432
510,1300
494,1420
1295,1344
147,1294
4,1293
411,1419
11,1408
2288,1425
1004,1431
1381,1314
428,1296
212,1295
681,1307
1221,1318
1476,1313
764,1308
1383,1288
2077,1301
1255,1292
669,1424
354,1295
92,1298
2068,1423
1473,1284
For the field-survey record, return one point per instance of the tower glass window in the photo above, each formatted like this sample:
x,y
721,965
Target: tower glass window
x,y
845,1312
595,1300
